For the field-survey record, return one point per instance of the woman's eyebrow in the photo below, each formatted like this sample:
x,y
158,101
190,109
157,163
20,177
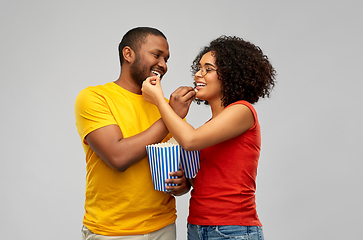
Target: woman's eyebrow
x,y
209,64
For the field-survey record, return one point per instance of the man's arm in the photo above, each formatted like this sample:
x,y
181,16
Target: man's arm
x,y
186,95
119,152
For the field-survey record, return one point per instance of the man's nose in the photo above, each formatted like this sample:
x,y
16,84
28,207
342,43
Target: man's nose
x,y
162,64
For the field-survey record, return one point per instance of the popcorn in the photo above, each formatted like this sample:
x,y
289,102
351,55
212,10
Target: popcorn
x,y
166,157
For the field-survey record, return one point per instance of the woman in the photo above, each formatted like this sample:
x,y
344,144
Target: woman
x,y
230,74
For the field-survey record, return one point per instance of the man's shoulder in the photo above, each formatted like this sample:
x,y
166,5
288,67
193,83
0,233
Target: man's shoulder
x,y
91,94
95,90
100,88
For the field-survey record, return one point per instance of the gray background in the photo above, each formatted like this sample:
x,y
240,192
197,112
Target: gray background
x,y
309,177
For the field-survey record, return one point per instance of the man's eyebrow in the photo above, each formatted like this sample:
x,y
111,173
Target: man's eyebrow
x,y
160,51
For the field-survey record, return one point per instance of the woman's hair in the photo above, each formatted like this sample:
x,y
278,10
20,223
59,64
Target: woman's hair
x,y
244,71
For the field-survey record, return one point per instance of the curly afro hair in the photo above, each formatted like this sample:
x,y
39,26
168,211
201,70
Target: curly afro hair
x,y
244,71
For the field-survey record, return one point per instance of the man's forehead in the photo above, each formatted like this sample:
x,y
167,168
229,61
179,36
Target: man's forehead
x,y
157,43
152,39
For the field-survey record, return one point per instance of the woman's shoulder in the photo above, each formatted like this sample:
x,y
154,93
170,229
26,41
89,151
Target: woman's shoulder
x,y
243,102
248,105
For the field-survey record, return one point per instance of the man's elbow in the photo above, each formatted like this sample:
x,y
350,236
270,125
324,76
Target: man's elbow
x,y
117,164
121,168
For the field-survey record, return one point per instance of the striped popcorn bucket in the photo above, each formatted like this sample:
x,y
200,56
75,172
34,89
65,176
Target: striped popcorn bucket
x,y
163,160
189,162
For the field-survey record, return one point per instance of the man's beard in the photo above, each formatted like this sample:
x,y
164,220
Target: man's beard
x,y
139,73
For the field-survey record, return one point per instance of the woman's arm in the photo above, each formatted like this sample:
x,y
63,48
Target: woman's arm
x,y
230,123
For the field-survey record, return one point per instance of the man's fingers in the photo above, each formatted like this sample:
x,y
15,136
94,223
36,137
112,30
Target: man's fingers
x,y
185,93
179,173
183,90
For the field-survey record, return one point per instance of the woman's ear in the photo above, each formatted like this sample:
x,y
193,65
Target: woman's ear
x,y
129,54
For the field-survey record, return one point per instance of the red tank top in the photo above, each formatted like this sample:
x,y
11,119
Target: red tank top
x,y
224,188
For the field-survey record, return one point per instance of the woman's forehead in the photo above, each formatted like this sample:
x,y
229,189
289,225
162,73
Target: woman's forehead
x,y
207,58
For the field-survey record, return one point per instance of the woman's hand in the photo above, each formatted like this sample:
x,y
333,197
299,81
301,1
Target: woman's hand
x,y
151,90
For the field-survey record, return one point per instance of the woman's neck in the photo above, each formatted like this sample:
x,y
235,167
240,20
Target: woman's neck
x,y
216,108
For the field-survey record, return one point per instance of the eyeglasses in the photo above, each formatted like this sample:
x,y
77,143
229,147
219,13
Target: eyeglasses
x,y
204,71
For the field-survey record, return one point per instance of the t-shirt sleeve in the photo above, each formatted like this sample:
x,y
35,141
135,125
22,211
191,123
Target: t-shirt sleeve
x,y
92,112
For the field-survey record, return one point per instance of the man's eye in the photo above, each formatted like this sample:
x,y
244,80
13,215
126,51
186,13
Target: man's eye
x,y
156,55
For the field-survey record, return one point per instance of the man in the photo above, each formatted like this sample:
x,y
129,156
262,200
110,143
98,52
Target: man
x,y
116,124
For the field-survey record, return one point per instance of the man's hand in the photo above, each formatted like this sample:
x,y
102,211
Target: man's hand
x,y
181,99
183,185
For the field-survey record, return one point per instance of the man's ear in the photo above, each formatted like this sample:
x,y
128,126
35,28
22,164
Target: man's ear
x,y
129,54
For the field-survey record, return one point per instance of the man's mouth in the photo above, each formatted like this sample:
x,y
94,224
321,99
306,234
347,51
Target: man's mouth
x,y
157,74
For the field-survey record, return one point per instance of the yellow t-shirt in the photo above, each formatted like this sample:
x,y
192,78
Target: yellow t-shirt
x,y
120,203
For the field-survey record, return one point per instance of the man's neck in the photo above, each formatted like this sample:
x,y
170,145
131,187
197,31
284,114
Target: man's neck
x,y
126,82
